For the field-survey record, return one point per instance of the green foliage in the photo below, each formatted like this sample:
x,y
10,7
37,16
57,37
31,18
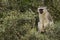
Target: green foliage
x,y
18,20
21,26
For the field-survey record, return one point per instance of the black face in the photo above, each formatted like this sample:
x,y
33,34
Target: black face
x,y
41,11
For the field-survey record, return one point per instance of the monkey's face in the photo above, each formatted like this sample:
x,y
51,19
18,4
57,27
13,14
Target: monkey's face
x,y
41,11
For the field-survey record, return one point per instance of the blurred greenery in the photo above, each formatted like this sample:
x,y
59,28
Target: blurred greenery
x,y
19,19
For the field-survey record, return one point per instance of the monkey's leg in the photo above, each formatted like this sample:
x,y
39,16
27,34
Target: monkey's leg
x,y
40,27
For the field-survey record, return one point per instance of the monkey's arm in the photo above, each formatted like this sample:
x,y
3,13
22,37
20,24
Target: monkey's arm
x,y
49,17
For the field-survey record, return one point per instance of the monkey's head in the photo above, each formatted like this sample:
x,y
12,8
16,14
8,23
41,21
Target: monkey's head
x,y
42,10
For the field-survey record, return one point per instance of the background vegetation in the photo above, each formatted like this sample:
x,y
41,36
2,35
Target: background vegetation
x,y
19,18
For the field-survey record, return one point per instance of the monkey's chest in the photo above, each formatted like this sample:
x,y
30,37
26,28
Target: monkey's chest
x,y
43,19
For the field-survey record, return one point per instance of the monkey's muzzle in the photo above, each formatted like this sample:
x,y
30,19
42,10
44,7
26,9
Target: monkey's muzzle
x,y
41,11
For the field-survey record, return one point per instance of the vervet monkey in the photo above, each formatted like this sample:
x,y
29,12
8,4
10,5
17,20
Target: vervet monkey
x,y
45,19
